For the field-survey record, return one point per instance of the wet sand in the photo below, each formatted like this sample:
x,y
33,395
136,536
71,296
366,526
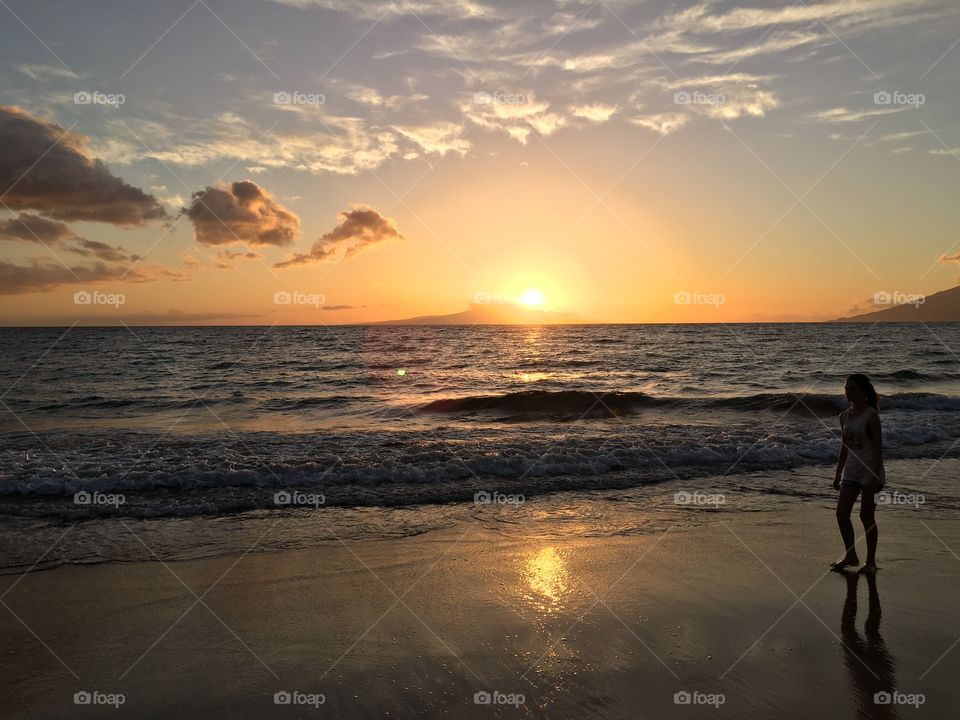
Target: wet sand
x,y
740,612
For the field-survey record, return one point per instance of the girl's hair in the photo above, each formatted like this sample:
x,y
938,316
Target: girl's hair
x,y
866,387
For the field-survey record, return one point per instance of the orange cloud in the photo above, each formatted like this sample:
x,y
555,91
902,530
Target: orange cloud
x,y
360,228
242,212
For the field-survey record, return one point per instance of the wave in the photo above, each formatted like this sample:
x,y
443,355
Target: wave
x,y
546,402
584,403
286,404
209,474
138,404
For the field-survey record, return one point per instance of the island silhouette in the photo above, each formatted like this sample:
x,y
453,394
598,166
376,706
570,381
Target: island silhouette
x,y
491,314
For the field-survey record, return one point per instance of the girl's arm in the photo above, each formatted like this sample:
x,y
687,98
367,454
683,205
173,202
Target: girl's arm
x,y
842,459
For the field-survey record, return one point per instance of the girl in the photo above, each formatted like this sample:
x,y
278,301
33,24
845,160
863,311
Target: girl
x,y
859,469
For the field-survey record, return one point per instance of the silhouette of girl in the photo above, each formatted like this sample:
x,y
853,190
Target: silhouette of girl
x,y
859,470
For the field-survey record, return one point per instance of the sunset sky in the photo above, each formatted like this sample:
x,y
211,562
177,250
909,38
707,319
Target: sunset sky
x,y
188,162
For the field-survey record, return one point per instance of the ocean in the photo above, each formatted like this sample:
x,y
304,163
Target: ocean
x,y
196,425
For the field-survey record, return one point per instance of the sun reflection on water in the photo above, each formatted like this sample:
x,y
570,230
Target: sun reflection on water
x,y
547,579
533,376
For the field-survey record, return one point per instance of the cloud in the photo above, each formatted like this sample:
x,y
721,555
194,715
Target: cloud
x,y
360,228
226,258
842,115
100,250
662,123
517,114
379,9
710,33
595,112
47,169
436,139
723,97
748,101
372,97
781,42
237,255
701,19
33,228
242,212
42,73
45,275
345,146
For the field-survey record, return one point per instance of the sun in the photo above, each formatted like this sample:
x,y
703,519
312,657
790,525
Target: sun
x,y
532,297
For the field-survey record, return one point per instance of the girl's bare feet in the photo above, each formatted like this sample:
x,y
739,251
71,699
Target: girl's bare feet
x,y
845,562
869,568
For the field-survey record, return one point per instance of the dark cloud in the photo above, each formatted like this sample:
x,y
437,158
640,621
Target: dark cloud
x,y
97,249
225,258
33,228
106,263
44,275
336,307
238,255
242,212
159,272
47,169
360,228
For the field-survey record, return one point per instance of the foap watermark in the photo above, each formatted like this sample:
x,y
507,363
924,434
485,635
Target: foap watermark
x,y
295,297
296,697
87,297
895,297
299,98
483,297
696,697
897,98
86,97
685,497
686,297
894,497
495,697
695,97
895,697
299,499
499,98
498,498
95,697
87,498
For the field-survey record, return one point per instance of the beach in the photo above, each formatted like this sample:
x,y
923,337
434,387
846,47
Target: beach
x,y
468,359
542,606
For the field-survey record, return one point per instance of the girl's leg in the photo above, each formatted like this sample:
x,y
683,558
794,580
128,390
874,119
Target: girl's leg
x,y
868,508
846,497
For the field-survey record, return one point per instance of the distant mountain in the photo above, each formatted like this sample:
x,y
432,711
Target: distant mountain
x,y
943,306
492,314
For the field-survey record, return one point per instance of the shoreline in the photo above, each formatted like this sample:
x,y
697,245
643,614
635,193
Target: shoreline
x,y
581,622
611,508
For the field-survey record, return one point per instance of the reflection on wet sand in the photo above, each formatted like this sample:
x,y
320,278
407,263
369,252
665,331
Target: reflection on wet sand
x,y
869,664
547,581
546,590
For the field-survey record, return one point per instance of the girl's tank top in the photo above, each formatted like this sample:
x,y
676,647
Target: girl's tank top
x,y
862,451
